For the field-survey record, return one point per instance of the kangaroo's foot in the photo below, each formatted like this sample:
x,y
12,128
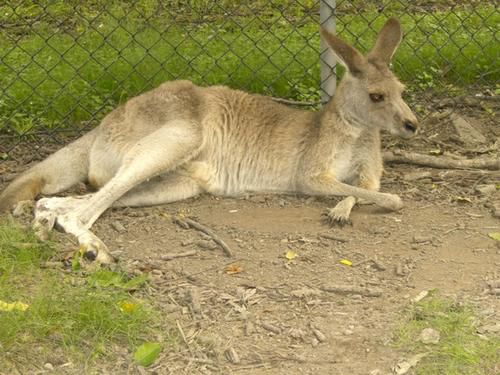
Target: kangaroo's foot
x,y
61,213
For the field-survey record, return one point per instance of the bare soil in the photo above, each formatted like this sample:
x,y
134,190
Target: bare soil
x,y
261,313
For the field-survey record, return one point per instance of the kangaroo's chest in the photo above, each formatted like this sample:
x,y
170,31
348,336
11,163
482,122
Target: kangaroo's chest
x,y
344,165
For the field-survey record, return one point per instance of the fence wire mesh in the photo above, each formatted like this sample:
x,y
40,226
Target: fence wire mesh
x,y
64,64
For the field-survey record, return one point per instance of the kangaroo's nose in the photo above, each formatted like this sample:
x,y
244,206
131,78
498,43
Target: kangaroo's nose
x,y
410,126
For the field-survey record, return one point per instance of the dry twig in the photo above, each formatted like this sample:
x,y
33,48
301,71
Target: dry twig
x,y
170,256
343,289
444,162
190,223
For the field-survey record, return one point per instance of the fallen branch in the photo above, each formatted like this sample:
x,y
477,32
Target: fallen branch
x,y
404,157
189,223
341,289
170,256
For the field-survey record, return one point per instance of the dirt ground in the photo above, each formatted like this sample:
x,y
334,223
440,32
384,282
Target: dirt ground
x,y
261,313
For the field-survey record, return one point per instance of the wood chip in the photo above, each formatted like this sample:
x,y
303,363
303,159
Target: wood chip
x,y
232,356
420,296
194,299
271,327
319,335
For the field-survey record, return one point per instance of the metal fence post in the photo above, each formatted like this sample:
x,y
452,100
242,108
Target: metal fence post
x,y
327,58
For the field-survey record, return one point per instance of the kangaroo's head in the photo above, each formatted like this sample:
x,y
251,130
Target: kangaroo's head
x,y
370,95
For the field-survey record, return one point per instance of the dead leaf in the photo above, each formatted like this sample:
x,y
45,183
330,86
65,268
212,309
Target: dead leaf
x,y
233,269
291,255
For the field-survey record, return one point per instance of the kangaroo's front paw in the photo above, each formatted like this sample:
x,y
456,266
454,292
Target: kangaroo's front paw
x,y
337,217
393,202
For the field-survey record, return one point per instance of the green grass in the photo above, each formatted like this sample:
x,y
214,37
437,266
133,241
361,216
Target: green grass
x,y
71,316
460,350
72,67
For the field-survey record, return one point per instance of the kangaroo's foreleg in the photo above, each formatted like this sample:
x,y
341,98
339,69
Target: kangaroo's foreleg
x,y
340,214
326,184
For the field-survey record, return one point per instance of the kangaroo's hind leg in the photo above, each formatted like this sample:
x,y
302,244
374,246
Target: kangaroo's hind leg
x,y
162,150
160,190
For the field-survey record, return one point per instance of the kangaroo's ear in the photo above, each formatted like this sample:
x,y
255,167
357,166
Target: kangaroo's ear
x,y
387,42
347,55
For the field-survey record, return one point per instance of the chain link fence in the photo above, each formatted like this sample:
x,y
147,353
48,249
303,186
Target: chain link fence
x,y
64,64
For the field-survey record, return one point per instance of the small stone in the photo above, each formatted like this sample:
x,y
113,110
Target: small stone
x,y
48,366
466,130
379,266
249,328
404,366
305,292
489,328
116,225
493,283
296,333
347,332
206,244
429,336
420,296
421,239
314,342
486,189
413,176
399,270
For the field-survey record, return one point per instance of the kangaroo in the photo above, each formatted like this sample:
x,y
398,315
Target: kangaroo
x,y
180,140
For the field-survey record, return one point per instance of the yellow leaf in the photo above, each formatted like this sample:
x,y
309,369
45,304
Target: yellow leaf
x,y
233,269
346,262
291,255
436,152
128,307
5,306
495,235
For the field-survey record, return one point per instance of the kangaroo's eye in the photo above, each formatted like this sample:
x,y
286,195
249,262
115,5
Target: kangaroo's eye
x,y
377,98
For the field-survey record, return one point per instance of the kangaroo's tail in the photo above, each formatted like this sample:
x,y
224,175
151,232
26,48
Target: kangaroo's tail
x,y
57,173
